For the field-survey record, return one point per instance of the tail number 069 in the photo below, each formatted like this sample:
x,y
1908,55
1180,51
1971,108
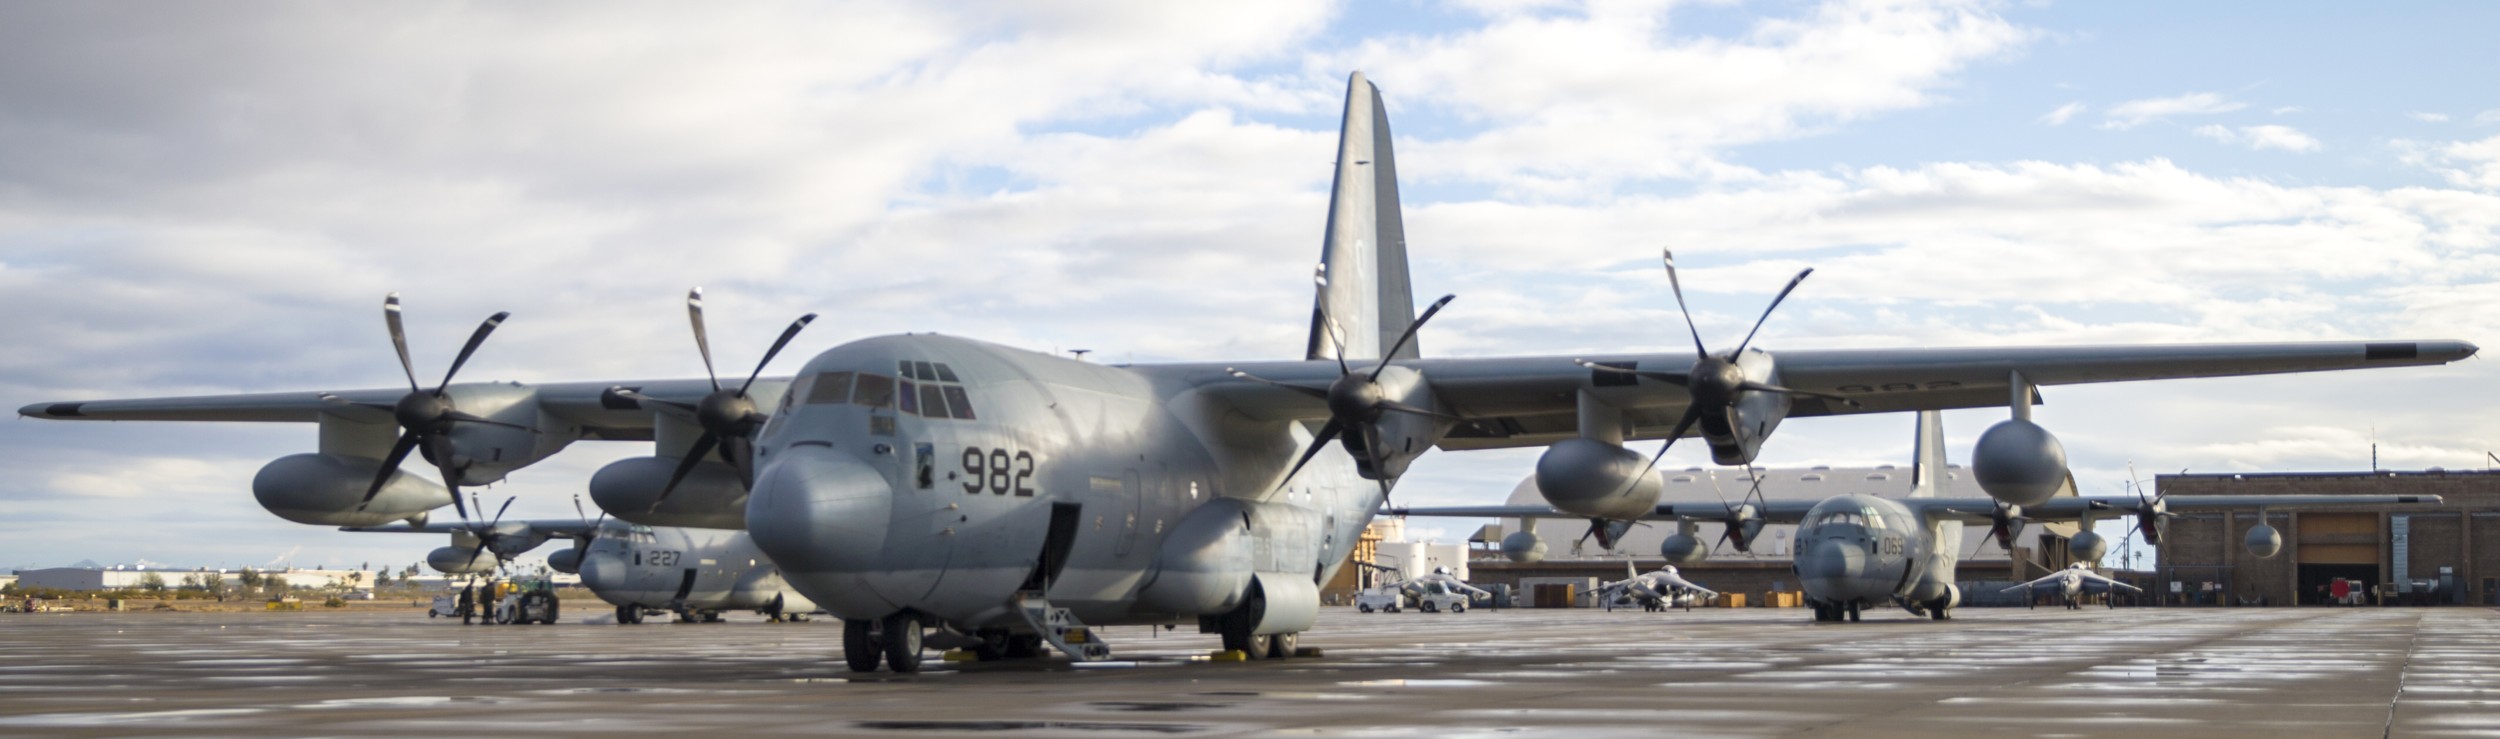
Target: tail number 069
x,y
998,471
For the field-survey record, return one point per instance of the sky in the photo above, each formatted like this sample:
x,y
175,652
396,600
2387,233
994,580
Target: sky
x,y
213,198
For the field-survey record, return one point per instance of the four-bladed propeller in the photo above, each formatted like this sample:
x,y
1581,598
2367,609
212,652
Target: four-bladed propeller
x,y
1713,381
426,417
728,417
1356,401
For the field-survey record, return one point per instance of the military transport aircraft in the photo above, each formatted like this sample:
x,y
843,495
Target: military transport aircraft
x,y
2071,585
993,494
695,573
1854,551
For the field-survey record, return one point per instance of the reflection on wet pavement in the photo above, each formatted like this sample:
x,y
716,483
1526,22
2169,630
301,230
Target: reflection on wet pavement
x,y
2203,672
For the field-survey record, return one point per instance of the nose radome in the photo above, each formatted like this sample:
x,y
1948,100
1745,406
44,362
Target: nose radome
x,y
1832,562
603,570
817,510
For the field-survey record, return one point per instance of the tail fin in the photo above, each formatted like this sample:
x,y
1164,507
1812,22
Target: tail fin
x,y
1929,477
1367,302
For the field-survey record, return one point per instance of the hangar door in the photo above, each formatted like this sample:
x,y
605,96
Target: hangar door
x,y
2336,546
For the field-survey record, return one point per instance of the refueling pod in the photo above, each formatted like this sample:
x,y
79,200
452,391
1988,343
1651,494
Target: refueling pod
x,y
2088,546
2019,462
1523,547
1683,548
460,561
1586,477
2264,541
709,498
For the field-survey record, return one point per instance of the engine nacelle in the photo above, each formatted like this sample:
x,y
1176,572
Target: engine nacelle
x,y
568,561
1683,549
459,561
1523,547
2088,546
710,497
2264,541
325,490
1587,477
2019,462
1205,566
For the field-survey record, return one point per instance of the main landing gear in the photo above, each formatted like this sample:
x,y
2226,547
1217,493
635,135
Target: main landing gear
x,y
1835,612
895,640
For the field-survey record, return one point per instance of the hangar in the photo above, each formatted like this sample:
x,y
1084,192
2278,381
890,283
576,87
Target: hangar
x,y
2448,554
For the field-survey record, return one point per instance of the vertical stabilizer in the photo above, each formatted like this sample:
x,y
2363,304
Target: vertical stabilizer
x,y
1367,301
1928,475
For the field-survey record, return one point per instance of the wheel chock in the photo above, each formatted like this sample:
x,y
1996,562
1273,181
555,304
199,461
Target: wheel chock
x,y
960,655
1228,655
1308,652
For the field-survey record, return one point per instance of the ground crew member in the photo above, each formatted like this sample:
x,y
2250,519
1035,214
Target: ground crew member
x,y
468,604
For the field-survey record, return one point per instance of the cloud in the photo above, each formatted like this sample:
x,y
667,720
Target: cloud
x,y
2134,113
2487,117
2473,164
2062,114
2260,138
2428,117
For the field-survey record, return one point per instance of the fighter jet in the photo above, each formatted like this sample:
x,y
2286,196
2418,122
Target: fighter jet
x,y
1855,551
1656,590
2071,584
694,573
976,494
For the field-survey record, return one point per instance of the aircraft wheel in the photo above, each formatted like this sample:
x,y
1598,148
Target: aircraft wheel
x,y
1853,613
859,647
1024,646
627,615
1259,646
1939,614
902,643
1366,608
1281,646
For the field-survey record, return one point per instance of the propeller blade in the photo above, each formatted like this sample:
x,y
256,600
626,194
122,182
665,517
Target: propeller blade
x,y
475,338
399,338
466,417
507,505
737,451
1678,286
694,456
702,341
1765,387
786,335
390,463
441,449
1692,413
1679,379
1327,433
1766,312
1310,391
1403,338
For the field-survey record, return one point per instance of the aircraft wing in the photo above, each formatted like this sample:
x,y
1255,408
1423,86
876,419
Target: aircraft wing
x,y
552,528
2092,580
1776,511
1686,584
1978,510
598,413
1532,401
2053,580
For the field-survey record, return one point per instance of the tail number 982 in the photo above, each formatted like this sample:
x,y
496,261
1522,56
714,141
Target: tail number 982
x,y
998,471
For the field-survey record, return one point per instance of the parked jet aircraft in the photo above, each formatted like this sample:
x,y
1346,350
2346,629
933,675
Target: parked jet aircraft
x,y
1854,551
692,572
2070,585
999,495
1657,589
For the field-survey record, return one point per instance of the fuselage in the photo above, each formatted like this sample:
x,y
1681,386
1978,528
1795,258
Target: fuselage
x,y
944,476
1861,550
677,568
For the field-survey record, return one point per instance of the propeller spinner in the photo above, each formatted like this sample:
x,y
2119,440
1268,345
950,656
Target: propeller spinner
x,y
1356,401
426,417
728,417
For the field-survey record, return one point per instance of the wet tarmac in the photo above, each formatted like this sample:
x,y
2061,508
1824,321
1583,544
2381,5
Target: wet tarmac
x,y
2050,672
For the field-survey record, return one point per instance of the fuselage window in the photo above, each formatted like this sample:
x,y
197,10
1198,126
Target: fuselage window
x,y
945,373
831,388
874,391
957,402
932,402
910,398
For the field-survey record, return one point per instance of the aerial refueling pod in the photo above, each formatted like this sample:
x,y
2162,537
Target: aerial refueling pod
x,y
460,561
327,489
2264,541
2088,546
1523,547
710,497
1683,548
1588,477
2019,462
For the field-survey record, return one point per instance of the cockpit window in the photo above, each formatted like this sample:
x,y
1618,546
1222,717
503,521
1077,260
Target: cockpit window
x,y
957,403
924,370
932,402
910,397
831,388
1848,517
874,391
945,373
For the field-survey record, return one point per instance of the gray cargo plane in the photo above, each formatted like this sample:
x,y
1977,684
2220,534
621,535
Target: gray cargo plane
x,y
695,573
1856,551
1004,497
